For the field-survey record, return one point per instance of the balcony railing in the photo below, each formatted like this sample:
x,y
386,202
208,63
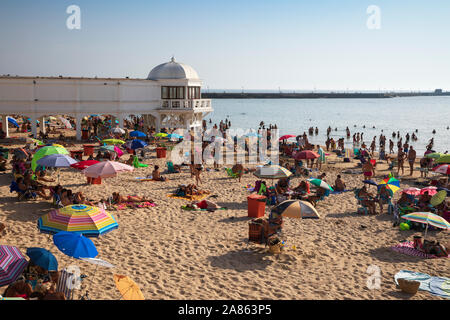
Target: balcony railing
x,y
186,104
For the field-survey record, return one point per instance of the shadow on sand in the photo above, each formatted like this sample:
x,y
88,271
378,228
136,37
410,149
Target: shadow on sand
x,y
241,260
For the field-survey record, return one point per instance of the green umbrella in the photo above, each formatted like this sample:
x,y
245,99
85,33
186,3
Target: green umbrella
x,y
46,151
434,155
444,159
113,141
320,183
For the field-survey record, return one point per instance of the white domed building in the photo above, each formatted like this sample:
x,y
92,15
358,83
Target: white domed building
x,y
169,97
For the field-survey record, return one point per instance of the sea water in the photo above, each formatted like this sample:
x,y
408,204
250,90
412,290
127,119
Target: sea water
x,y
295,116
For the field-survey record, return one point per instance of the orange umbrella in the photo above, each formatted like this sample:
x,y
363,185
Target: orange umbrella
x,y
128,288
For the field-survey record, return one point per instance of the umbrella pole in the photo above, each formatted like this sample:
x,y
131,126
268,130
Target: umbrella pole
x,y
425,236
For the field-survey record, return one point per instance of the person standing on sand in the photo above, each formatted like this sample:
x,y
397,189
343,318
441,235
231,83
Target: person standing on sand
x,y
400,160
411,159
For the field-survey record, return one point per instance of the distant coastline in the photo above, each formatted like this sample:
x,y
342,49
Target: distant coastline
x,y
316,95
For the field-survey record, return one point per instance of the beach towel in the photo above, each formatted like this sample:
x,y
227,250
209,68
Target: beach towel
x,y
439,286
142,179
190,198
407,248
133,205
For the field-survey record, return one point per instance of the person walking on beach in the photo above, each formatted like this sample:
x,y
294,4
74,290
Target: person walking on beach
x,y
411,159
400,160
391,146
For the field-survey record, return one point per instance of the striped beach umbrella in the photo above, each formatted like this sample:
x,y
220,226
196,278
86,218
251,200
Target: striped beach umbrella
x,y
321,184
12,264
78,218
429,219
296,209
272,172
391,183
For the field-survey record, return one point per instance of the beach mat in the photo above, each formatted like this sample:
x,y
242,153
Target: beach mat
x,y
193,198
439,286
407,248
133,205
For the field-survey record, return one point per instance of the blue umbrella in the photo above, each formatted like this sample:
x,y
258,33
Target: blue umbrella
x,y
137,144
75,245
138,134
174,136
43,258
13,122
56,161
371,182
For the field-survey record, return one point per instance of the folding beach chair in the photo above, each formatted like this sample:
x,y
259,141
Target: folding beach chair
x,y
65,284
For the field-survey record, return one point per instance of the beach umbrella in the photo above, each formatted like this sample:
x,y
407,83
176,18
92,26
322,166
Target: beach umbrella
x,y
13,122
138,144
429,219
43,258
113,141
75,245
287,136
320,183
110,148
444,159
391,184
438,198
99,262
78,218
371,182
431,190
12,264
117,131
272,172
174,136
160,135
252,134
306,154
118,151
65,122
442,168
128,288
58,145
296,209
84,164
45,151
411,191
56,161
36,141
106,169
52,118
138,134
434,155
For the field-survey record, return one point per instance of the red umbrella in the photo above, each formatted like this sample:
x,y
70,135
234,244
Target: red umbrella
x,y
84,164
307,154
287,137
443,168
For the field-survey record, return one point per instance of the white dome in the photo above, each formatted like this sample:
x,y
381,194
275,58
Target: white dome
x,y
172,70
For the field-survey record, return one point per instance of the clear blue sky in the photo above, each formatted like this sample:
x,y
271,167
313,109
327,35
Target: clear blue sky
x,y
255,44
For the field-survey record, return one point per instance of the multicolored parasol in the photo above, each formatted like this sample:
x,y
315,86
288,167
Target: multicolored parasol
x,y
12,264
79,218
442,168
391,184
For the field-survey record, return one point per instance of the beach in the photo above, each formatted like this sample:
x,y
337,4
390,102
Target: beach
x,y
176,254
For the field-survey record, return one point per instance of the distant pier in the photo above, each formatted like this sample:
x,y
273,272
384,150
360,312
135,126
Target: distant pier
x,y
316,95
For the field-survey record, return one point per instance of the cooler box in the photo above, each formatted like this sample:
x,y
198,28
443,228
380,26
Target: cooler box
x,y
256,205
160,152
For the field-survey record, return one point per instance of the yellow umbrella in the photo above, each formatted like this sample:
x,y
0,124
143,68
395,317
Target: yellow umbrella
x,y
58,145
128,288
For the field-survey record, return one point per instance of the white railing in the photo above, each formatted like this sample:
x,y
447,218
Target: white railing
x,y
186,104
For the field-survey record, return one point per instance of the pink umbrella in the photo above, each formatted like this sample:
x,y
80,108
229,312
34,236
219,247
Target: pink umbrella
x,y
106,169
307,154
431,190
287,137
118,151
411,191
443,168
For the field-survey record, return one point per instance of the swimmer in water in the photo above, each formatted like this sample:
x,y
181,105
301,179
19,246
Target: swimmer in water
x,y
434,131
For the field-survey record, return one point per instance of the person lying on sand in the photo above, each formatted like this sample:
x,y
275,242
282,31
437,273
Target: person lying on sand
x,y
118,199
